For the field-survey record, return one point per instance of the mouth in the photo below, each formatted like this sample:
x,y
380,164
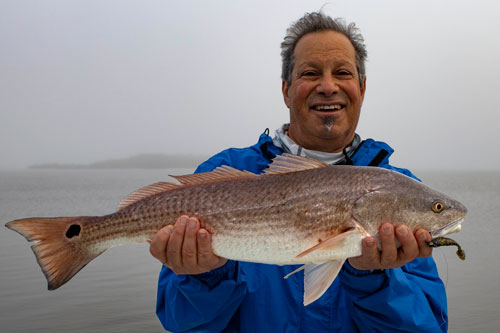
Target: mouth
x,y
328,108
450,228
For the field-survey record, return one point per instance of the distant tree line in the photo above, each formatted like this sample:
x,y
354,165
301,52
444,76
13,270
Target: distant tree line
x,y
142,161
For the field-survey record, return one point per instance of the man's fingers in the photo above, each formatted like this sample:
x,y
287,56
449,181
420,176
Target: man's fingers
x,y
422,237
185,247
371,253
205,252
412,246
370,258
409,247
174,246
389,251
207,260
189,246
159,243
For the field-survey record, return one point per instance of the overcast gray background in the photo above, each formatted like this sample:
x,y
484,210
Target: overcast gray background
x,y
82,81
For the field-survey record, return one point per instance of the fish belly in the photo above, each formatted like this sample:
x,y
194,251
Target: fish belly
x,y
283,248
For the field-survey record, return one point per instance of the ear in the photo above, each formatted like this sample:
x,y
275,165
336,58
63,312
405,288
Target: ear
x,y
363,89
284,89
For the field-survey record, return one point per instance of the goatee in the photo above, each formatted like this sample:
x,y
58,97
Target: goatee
x,y
328,122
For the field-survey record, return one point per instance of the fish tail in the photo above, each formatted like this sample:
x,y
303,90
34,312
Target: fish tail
x,y
58,247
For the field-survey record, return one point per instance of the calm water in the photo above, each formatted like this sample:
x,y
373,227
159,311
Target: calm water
x,y
117,291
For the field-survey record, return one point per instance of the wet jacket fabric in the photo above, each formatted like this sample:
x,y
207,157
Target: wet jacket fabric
x,y
251,297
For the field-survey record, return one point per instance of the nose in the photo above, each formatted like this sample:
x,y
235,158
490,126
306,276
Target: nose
x,y
327,85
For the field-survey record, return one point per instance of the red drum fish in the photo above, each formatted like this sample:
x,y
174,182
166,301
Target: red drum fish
x,y
299,211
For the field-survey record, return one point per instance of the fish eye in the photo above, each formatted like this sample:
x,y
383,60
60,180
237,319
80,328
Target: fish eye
x,y
437,206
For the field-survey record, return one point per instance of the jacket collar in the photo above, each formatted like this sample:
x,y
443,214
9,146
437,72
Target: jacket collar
x,y
366,153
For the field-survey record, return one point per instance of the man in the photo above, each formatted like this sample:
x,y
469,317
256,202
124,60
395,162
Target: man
x,y
389,290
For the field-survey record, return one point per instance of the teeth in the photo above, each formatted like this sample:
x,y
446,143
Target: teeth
x,y
328,107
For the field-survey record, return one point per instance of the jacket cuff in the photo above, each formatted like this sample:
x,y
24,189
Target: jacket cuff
x,y
361,280
358,272
226,272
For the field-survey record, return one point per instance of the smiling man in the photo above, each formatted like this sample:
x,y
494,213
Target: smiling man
x,y
324,94
392,289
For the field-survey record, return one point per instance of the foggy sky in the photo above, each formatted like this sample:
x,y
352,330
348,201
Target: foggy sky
x,y
82,81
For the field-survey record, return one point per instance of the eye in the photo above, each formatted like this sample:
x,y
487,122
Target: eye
x,y
437,206
343,73
309,73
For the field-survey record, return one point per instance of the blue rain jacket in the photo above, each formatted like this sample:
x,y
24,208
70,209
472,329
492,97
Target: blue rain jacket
x,y
250,297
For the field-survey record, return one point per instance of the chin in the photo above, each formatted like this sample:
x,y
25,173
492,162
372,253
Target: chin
x,y
328,129
329,135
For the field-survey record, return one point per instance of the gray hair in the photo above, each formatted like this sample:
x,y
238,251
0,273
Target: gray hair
x,y
317,22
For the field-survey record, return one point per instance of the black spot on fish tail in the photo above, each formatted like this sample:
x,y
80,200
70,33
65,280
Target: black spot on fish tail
x,y
73,230
57,248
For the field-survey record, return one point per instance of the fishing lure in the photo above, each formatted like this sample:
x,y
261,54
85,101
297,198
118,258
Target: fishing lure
x,y
443,241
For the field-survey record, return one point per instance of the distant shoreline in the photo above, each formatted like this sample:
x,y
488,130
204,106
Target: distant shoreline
x,y
142,161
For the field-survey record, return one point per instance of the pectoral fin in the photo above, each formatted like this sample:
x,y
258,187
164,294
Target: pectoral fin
x,y
336,241
318,277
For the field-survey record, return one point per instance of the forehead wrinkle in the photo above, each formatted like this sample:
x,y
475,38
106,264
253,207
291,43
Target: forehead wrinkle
x,y
314,51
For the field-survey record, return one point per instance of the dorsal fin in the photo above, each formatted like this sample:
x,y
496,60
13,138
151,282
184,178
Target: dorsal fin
x,y
291,163
146,192
221,173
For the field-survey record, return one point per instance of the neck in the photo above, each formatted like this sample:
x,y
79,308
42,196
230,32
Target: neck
x,y
333,145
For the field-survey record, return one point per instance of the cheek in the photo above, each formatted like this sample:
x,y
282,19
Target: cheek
x,y
301,93
353,92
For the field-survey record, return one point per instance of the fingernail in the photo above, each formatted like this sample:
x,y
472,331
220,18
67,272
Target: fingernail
x,y
370,242
403,231
183,220
387,230
203,234
168,230
192,224
422,236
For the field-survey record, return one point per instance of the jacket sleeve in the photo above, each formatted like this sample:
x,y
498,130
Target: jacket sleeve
x,y
407,299
203,302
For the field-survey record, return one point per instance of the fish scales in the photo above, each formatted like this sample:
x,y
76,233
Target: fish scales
x,y
301,211
250,209
253,210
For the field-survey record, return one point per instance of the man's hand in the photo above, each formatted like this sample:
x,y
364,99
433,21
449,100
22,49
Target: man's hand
x,y
185,248
412,246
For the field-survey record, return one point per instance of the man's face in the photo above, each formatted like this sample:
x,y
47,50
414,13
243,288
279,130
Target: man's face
x,y
324,96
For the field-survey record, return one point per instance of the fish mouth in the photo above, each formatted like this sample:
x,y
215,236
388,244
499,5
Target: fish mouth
x,y
450,228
